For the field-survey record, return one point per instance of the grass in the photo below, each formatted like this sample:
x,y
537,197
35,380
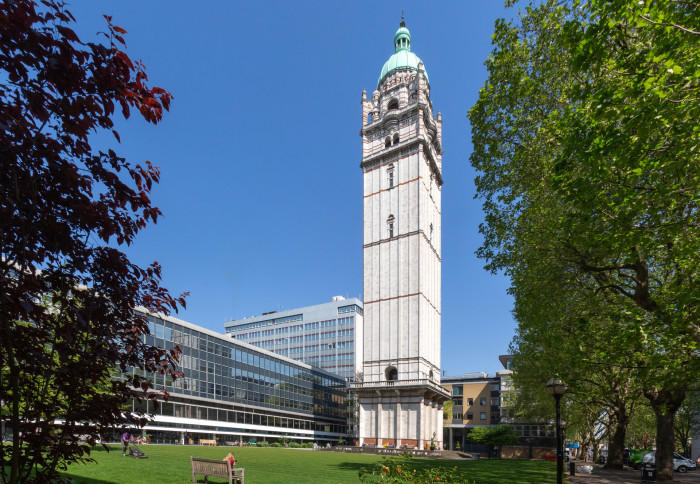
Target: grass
x,y
171,465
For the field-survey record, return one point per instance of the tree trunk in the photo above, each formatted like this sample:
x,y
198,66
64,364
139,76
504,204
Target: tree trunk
x,y
665,403
616,441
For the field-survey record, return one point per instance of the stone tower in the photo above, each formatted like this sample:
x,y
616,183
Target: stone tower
x,y
399,393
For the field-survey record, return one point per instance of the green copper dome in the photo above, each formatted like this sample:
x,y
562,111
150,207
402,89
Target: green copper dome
x,y
403,58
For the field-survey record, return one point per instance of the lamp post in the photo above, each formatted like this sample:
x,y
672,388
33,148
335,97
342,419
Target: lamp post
x,y
557,388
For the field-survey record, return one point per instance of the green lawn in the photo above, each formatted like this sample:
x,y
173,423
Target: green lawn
x,y
170,465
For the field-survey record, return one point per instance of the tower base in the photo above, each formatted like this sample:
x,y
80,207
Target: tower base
x,y
400,414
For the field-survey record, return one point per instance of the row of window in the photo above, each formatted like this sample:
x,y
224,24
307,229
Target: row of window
x,y
470,416
308,326
257,324
470,401
391,141
185,410
349,309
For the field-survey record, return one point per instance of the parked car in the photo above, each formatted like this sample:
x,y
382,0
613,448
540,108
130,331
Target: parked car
x,y
680,463
636,456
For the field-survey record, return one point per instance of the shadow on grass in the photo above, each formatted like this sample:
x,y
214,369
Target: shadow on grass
x,y
84,480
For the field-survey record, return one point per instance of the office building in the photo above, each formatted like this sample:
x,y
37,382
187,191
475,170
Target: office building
x,y
400,397
232,391
476,402
479,400
327,336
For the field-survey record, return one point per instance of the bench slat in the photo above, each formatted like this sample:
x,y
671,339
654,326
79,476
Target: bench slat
x,y
216,468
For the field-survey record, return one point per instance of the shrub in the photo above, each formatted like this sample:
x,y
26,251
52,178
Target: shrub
x,y
294,445
264,443
307,445
402,470
275,444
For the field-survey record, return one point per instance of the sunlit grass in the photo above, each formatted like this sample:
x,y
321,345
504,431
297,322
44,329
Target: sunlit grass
x,y
171,465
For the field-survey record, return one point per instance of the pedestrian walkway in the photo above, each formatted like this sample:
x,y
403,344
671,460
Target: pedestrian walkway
x,y
624,476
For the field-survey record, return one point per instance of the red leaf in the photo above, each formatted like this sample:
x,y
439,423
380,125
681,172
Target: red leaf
x,y
119,29
68,33
116,135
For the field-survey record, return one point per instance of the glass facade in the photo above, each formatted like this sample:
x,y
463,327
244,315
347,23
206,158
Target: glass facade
x,y
323,336
236,392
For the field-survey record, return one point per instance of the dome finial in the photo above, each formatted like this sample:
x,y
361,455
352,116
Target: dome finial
x,y
402,24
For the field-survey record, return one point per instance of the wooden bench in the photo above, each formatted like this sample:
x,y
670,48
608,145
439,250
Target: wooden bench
x,y
207,442
216,468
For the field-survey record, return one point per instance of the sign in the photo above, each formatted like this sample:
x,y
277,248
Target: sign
x,y
574,446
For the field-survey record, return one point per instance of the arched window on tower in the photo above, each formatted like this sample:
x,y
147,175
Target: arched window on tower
x,y
390,176
413,96
369,118
387,142
390,226
396,138
393,104
391,373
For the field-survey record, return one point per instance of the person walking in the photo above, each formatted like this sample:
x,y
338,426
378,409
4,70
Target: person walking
x,y
126,438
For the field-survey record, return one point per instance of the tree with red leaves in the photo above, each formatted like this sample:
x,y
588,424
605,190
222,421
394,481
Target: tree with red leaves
x,y
69,329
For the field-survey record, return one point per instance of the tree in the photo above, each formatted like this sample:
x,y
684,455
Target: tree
x,y
687,421
68,324
497,436
585,135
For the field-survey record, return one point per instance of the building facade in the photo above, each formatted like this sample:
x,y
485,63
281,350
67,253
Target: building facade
x,y
400,397
232,391
476,402
480,400
327,336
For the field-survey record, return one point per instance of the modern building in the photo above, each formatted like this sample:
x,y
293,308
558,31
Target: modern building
x,y
400,397
479,400
476,402
327,336
233,391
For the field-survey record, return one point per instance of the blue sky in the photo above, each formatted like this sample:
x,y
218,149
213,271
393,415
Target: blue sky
x,y
261,187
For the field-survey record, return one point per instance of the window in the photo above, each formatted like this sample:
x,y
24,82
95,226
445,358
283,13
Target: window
x,y
390,176
470,415
369,118
396,139
458,390
387,142
393,104
390,226
457,415
392,374
457,401
482,402
482,416
470,401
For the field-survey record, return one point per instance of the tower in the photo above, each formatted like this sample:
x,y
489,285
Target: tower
x,y
399,395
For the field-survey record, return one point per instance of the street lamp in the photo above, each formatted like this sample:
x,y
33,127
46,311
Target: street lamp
x,y
557,388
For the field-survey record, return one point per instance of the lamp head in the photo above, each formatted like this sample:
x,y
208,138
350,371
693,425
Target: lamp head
x,y
555,386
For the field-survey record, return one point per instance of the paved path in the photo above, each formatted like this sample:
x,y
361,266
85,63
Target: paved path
x,y
625,476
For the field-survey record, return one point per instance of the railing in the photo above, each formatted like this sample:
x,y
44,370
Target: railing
x,y
423,382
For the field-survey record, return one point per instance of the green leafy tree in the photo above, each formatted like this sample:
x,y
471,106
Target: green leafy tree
x,y
586,138
497,436
687,421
